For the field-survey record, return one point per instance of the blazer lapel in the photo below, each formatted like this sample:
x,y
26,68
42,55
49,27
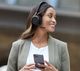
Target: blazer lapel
x,y
53,52
26,50
24,53
51,46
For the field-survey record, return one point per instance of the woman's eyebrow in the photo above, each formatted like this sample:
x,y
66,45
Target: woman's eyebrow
x,y
52,14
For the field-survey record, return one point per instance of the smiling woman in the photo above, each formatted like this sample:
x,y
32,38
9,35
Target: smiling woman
x,y
49,21
37,40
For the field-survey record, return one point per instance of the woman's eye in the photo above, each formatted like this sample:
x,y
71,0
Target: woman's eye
x,y
50,16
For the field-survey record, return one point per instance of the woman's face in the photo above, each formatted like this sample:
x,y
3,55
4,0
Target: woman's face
x,y
48,20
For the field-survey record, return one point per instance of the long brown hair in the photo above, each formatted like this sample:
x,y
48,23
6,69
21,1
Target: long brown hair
x,y
30,28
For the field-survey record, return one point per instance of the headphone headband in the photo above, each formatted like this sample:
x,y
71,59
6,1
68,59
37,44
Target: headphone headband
x,y
41,3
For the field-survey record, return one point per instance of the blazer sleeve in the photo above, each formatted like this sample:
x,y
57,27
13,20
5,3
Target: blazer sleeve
x,y
65,61
13,56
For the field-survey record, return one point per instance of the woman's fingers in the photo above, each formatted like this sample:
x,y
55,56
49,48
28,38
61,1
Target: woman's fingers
x,y
50,66
29,64
48,63
29,67
41,65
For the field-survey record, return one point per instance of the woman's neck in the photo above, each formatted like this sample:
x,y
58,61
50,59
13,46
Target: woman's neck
x,y
40,38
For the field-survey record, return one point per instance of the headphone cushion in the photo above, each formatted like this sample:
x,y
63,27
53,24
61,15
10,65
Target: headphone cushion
x,y
36,20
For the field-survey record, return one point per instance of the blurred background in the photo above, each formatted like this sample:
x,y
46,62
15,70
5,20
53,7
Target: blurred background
x,y
13,14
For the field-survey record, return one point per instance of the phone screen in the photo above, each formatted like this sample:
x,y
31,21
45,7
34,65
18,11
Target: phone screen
x,y
38,59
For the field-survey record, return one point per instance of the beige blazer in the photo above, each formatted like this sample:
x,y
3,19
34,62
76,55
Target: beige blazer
x,y
58,54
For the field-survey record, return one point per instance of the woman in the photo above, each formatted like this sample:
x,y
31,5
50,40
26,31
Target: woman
x,y
36,40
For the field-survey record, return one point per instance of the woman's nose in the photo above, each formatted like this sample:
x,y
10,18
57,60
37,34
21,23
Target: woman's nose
x,y
54,20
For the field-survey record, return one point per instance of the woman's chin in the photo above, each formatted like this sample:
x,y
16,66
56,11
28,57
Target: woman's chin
x,y
51,31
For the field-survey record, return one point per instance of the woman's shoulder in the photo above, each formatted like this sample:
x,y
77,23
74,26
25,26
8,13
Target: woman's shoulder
x,y
61,45
57,41
20,41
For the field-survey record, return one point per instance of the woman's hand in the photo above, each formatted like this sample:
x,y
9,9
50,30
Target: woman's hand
x,y
48,67
29,67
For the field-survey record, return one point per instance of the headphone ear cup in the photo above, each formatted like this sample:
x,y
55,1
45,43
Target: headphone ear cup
x,y
36,20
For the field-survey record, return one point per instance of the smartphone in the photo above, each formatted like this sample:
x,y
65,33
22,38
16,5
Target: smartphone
x,y
38,59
